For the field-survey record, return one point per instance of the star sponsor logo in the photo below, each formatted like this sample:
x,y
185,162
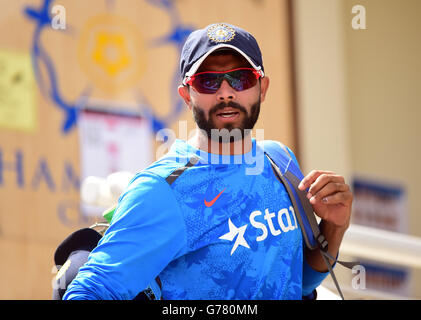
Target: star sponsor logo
x,y
235,232
285,222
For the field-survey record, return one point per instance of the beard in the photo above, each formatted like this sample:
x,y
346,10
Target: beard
x,y
221,135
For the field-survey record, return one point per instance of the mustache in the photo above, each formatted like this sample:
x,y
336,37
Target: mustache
x,y
223,105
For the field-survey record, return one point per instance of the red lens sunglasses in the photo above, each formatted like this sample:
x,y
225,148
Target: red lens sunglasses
x,y
210,81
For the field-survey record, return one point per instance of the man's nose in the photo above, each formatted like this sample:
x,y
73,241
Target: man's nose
x,y
225,92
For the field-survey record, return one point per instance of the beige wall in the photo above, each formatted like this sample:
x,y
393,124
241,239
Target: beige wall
x,y
384,77
321,86
359,94
384,82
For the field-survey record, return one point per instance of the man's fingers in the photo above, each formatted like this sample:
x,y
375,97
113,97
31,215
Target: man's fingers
x,y
311,177
323,180
338,198
329,189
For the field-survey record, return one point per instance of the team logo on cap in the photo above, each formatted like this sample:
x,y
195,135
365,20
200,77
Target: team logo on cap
x,y
221,33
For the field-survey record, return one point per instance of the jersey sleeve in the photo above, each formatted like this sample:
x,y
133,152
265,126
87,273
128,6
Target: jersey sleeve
x,y
146,233
311,278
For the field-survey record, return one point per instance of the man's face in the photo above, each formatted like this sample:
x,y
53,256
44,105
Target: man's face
x,y
226,108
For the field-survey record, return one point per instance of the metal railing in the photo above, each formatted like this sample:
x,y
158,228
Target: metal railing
x,y
381,245
385,247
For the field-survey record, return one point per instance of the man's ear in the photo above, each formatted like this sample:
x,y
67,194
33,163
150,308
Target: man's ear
x,y
264,85
184,93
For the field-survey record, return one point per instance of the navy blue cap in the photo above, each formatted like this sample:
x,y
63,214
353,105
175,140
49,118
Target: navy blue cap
x,y
83,239
201,43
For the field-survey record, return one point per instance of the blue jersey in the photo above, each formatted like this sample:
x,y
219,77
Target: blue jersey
x,y
225,229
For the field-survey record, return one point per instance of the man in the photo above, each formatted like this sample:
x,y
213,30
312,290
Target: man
x,y
195,218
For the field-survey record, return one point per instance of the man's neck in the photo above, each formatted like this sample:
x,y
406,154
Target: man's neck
x,y
202,142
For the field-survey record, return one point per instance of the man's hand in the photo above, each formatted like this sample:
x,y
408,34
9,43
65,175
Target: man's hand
x,y
330,197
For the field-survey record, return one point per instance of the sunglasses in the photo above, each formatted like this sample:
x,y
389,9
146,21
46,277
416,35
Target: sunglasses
x,y
210,81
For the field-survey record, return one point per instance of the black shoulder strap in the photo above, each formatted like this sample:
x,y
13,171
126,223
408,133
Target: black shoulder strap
x,y
177,172
321,240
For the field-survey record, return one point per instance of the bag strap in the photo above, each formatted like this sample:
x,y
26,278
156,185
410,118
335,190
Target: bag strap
x,y
177,173
291,182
